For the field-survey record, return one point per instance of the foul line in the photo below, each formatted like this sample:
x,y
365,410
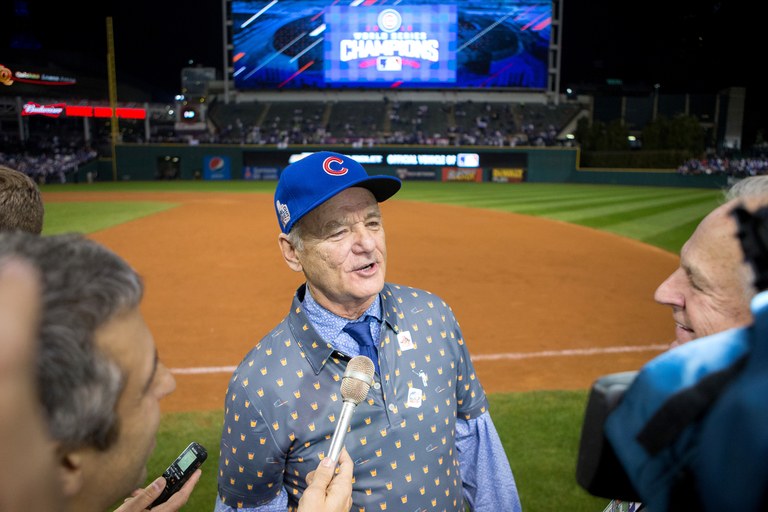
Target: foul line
x,y
567,353
509,356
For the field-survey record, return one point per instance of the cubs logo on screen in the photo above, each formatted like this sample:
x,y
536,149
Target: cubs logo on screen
x,y
334,166
390,20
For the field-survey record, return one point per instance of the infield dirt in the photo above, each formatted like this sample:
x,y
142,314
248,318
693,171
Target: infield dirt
x,y
542,304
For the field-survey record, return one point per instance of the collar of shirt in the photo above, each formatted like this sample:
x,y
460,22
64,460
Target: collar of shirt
x,y
330,326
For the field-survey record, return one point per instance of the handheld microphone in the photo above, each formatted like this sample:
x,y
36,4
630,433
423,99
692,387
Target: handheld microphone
x,y
355,384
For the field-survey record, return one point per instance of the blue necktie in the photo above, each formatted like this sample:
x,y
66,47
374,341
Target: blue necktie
x,y
361,333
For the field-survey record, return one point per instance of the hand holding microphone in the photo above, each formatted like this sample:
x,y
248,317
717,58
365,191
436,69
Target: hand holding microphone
x,y
355,384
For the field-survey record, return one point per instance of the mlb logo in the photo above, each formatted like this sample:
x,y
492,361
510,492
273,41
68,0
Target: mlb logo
x,y
389,63
468,160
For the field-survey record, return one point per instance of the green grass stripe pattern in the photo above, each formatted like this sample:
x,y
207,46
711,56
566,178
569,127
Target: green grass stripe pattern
x,y
660,216
577,207
607,213
94,216
673,238
650,222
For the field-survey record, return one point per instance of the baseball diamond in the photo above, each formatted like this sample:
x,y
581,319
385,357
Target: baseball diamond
x,y
542,304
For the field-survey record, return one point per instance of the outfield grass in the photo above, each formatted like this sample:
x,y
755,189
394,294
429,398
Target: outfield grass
x,y
664,217
539,430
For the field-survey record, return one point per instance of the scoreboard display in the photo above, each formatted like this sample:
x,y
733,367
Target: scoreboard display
x,y
333,44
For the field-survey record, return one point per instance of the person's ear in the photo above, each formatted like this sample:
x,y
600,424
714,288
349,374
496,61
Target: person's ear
x,y
70,470
290,255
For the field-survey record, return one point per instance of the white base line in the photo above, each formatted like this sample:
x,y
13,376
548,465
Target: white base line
x,y
509,356
567,353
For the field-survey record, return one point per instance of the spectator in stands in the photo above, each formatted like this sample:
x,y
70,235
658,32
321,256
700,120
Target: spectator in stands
x,y
100,383
426,411
736,167
49,165
712,289
21,206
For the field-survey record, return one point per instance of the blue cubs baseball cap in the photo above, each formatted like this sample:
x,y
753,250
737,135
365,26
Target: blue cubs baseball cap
x,y
306,184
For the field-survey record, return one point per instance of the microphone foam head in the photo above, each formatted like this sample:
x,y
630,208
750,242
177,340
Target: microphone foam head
x,y
357,379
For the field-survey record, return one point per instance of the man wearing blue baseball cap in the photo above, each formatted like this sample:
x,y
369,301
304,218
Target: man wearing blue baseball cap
x,y
423,438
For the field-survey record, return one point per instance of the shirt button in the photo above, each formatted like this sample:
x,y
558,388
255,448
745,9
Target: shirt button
x,y
391,407
376,385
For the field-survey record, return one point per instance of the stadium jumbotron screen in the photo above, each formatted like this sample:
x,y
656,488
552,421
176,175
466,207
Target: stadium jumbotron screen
x,y
327,44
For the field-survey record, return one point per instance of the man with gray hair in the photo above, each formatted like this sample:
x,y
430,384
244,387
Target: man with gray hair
x,y
712,288
100,380
100,383
423,437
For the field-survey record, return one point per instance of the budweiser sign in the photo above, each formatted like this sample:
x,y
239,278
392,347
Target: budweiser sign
x,y
62,109
35,109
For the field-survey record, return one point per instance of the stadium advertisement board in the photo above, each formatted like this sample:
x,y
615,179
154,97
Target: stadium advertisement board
x,y
434,165
513,175
217,168
255,172
455,174
327,44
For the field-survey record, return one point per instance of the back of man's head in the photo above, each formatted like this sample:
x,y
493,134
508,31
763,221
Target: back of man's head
x,y
21,207
84,285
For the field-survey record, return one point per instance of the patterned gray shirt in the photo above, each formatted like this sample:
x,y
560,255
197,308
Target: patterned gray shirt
x,y
284,399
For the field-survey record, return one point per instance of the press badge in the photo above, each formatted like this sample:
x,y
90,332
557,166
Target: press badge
x,y
404,340
414,398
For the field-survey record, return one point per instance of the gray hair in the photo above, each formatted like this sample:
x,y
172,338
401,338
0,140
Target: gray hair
x,y
84,285
21,207
750,187
296,235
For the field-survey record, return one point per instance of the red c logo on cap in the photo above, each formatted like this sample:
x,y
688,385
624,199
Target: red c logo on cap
x,y
334,160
